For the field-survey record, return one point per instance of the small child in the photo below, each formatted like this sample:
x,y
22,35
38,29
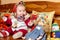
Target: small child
x,y
18,22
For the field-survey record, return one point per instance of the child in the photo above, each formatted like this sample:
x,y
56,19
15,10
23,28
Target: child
x,y
19,22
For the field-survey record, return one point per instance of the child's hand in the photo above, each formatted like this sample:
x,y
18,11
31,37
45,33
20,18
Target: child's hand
x,y
33,17
4,18
23,38
36,21
30,23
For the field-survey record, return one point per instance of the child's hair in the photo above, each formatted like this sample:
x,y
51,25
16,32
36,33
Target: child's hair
x,y
20,3
15,6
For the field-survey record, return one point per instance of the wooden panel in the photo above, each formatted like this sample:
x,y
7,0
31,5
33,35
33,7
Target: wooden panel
x,y
43,6
35,5
4,8
0,1
10,38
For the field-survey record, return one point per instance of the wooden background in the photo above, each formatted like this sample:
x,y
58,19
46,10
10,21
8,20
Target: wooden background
x,y
35,5
0,1
43,6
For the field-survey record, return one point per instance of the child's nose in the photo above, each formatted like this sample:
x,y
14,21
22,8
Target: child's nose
x,y
24,14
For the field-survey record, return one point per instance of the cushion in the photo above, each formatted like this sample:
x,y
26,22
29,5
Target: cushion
x,y
46,18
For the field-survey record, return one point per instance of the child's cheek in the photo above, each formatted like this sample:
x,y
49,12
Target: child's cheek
x,y
25,13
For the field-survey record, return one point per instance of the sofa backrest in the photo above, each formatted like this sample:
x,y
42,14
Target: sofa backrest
x,y
35,5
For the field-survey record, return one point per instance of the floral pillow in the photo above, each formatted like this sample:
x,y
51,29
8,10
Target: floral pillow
x,y
45,18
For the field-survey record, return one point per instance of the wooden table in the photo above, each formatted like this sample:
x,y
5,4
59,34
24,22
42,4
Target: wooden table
x,y
9,38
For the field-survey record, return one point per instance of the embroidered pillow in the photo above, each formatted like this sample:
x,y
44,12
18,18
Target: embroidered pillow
x,y
46,18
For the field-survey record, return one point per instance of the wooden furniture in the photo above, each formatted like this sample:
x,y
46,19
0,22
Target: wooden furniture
x,y
0,1
43,6
35,5
10,38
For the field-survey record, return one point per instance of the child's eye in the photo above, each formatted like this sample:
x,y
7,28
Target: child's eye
x,y
23,10
19,10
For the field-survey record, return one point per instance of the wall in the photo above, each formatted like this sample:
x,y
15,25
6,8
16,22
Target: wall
x,y
15,1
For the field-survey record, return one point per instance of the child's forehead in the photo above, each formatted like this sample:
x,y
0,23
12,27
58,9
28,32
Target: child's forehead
x,y
20,7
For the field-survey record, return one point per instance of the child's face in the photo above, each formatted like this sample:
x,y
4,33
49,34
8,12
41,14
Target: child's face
x,y
20,10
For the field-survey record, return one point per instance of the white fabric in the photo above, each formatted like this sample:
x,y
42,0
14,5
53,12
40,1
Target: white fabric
x,y
20,25
38,28
7,33
30,23
1,35
17,35
4,18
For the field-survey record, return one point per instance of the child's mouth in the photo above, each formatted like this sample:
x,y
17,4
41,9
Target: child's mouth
x,y
20,18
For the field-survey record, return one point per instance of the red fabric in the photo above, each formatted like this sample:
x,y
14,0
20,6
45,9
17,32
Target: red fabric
x,y
10,30
13,32
23,31
33,17
7,15
8,22
27,21
14,8
3,25
4,34
33,28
